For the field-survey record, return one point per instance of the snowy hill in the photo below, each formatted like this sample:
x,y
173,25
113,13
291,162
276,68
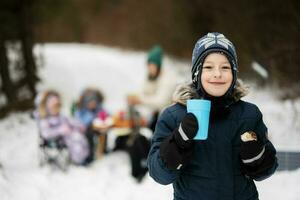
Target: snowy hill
x,y
69,68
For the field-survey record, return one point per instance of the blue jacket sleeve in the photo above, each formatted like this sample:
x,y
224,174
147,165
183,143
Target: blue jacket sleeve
x,y
157,169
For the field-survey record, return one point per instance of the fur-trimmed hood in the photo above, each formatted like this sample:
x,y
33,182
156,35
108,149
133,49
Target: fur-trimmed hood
x,y
185,91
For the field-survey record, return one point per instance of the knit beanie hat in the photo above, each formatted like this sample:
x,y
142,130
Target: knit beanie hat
x,y
210,43
155,56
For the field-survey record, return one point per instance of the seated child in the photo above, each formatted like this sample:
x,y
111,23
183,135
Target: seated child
x,y
89,109
53,124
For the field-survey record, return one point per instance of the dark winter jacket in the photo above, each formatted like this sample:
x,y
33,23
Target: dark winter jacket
x,y
215,171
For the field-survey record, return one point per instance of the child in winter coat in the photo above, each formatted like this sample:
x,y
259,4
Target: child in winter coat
x,y
237,150
89,109
53,124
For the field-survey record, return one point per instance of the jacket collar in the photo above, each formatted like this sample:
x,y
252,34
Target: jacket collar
x,y
186,91
220,106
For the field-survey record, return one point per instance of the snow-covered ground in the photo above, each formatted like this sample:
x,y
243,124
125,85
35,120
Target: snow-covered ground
x,y
69,68
21,178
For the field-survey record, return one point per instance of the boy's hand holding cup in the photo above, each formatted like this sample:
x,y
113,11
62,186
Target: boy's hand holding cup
x,y
187,130
177,149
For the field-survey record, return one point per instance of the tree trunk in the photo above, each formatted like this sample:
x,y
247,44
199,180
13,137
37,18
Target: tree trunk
x,y
26,36
7,85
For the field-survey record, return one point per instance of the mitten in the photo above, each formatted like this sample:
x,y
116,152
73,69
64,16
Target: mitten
x,y
252,150
177,149
256,158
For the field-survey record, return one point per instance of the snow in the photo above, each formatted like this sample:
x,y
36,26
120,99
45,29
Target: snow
x,y
280,118
69,68
21,177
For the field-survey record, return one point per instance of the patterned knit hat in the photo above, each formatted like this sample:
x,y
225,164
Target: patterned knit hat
x,y
210,43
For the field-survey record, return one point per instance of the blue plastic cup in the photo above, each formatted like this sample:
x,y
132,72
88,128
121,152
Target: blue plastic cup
x,y
201,109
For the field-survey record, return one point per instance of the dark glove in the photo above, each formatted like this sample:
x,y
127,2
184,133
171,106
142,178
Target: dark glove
x,y
177,149
252,152
256,159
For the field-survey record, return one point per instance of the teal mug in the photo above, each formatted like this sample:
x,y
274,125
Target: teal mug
x,y
201,109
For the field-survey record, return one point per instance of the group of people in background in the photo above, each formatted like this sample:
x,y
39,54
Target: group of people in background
x,y
77,132
81,134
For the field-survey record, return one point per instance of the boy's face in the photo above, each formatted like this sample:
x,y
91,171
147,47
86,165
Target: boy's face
x,y
216,76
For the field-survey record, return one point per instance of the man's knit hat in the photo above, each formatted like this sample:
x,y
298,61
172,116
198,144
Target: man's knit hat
x,y
155,56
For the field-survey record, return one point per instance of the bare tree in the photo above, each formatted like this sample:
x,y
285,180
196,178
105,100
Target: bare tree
x,y
17,27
